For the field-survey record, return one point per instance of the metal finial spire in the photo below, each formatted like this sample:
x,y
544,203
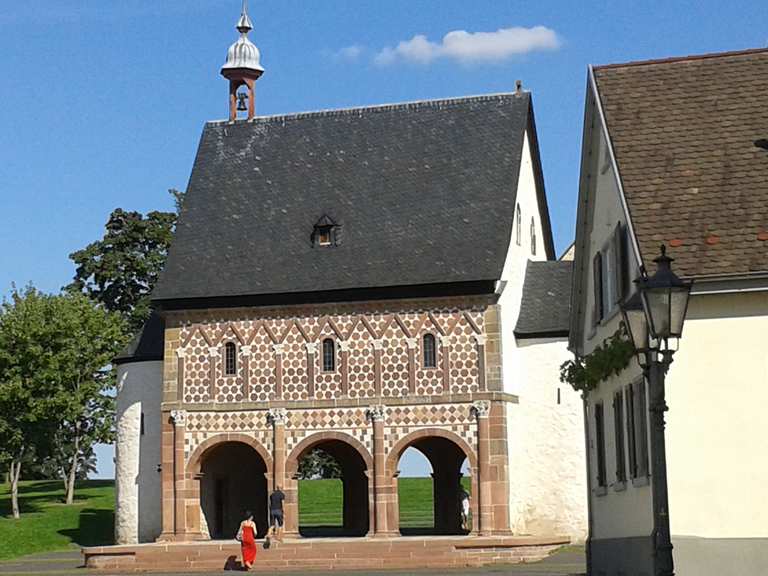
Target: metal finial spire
x,y
244,24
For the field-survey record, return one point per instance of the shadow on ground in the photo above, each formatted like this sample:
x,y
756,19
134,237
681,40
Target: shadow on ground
x,y
95,528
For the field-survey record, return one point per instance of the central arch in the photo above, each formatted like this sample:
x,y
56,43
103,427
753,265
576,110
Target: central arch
x,y
446,452
355,462
232,473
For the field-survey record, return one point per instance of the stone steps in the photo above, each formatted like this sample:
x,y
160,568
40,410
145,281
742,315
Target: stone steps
x,y
327,554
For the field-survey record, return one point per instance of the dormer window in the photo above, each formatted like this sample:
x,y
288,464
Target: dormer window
x,y
325,233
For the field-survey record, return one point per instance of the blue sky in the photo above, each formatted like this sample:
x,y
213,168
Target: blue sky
x,y
102,103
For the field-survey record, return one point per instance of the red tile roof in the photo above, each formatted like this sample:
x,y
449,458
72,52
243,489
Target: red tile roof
x,y
684,132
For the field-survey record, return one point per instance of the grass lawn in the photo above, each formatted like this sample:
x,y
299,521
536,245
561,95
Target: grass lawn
x,y
320,502
46,524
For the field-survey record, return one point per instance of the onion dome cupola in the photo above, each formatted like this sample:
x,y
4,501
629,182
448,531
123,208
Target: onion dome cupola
x,y
242,68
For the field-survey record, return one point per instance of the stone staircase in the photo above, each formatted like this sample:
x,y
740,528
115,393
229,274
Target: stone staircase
x,y
327,554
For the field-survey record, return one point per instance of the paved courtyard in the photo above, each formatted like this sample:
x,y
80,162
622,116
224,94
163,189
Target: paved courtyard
x,y
567,562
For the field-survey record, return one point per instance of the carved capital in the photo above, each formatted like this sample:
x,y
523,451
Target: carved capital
x,y
278,348
181,352
480,339
311,347
179,417
245,350
344,345
277,416
445,341
412,343
376,413
378,345
213,352
480,409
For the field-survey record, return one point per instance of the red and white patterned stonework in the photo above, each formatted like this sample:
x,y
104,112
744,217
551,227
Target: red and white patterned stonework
x,y
280,357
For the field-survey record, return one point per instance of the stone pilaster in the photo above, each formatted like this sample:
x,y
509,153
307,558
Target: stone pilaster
x,y
381,496
278,350
311,363
481,411
445,350
493,372
413,345
168,490
245,352
213,354
481,339
344,366
378,347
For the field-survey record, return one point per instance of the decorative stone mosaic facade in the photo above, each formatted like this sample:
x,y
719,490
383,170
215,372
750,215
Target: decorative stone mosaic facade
x,y
301,424
377,353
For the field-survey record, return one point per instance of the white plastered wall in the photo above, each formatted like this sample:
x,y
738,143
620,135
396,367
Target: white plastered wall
x,y
717,432
618,512
137,456
551,460
546,474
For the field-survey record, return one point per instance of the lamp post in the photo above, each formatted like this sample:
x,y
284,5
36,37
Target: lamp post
x,y
654,316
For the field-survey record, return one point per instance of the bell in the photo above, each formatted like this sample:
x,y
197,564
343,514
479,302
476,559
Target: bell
x,y
242,97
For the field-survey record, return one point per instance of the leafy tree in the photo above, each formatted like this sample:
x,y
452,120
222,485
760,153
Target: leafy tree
x,y
120,270
86,338
28,382
319,464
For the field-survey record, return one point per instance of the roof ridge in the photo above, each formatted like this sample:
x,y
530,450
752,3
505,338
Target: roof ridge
x,y
687,58
412,104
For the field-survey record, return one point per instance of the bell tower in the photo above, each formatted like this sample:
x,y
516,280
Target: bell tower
x,y
242,68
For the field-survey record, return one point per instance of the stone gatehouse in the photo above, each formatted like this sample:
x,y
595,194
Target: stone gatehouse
x,y
361,281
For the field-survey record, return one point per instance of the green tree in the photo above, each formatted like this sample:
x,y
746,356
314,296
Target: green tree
x,y
319,464
28,382
120,270
86,337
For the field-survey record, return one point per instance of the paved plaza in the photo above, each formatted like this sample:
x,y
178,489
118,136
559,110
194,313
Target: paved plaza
x,y
567,562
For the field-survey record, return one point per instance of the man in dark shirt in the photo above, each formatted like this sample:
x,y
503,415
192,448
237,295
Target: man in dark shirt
x,y
276,513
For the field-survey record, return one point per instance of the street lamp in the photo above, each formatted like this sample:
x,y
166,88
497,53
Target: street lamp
x,y
653,316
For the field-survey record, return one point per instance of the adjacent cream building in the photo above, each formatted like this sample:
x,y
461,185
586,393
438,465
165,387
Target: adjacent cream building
x,y
675,152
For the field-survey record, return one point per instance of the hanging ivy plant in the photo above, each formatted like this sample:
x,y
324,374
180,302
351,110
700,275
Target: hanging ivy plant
x,y
608,359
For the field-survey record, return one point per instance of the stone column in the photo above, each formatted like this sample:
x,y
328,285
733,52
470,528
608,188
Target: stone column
x,y
278,350
213,354
167,455
311,361
378,346
481,409
376,415
480,340
180,353
179,418
344,361
245,352
276,417
413,344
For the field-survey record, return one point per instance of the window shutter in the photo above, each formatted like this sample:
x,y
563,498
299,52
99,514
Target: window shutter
x,y
597,281
621,252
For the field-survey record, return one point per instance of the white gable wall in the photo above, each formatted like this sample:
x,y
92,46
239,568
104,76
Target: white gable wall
x,y
545,440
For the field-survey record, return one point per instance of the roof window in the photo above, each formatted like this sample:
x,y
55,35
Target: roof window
x,y
325,233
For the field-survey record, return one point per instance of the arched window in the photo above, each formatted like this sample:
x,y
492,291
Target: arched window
x,y
533,237
518,224
428,349
329,355
230,359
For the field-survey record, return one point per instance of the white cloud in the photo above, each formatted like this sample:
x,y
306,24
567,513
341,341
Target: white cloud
x,y
466,46
349,53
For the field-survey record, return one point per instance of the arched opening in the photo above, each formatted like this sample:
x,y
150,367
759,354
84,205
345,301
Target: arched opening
x,y
433,474
233,480
332,490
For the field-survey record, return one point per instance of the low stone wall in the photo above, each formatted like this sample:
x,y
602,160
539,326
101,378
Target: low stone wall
x,y
327,554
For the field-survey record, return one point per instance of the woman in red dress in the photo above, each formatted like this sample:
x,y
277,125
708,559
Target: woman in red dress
x,y
247,537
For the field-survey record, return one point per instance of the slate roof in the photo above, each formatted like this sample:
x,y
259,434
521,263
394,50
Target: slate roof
x,y
147,345
545,309
423,193
683,132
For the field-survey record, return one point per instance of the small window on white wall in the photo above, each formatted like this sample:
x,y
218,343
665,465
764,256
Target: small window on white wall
x,y
533,237
518,225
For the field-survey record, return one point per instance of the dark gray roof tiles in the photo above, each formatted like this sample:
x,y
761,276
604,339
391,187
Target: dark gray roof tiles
x,y
546,305
423,193
147,345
